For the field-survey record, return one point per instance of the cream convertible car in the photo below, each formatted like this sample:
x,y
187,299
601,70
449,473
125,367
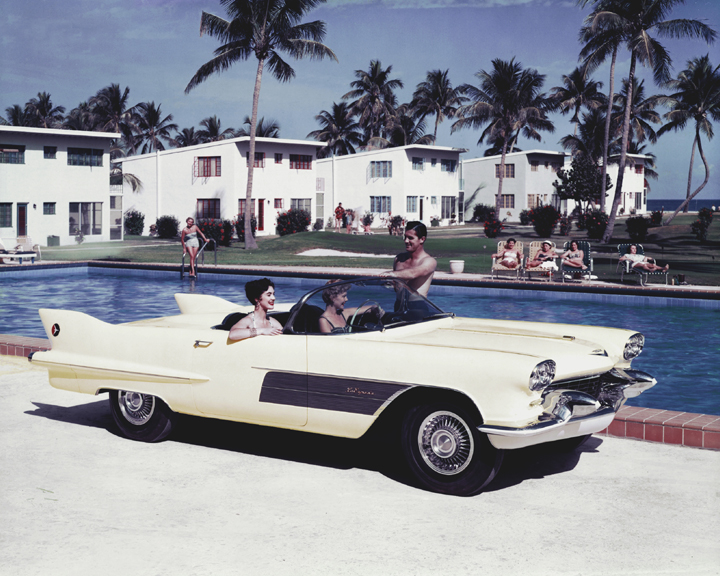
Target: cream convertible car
x,y
463,390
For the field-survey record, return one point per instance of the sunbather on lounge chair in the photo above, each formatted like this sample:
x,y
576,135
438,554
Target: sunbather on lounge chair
x,y
643,262
546,255
509,256
574,257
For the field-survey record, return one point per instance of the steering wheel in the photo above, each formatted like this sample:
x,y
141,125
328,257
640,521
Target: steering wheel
x,y
352,320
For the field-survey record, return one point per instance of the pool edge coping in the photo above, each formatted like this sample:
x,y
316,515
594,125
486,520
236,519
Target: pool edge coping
x,y
637,423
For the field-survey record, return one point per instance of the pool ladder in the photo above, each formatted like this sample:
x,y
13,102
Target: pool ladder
x,y
201,253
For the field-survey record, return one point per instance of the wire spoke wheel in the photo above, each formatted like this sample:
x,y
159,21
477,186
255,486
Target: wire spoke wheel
x,y
445,443
141,416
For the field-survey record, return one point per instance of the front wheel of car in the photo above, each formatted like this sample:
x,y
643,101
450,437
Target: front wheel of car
x,y
141,416
445,452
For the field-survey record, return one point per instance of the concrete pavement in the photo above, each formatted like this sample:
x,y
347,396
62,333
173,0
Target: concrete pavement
x,y
224,498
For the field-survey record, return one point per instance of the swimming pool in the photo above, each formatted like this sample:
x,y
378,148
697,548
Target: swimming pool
x,y
682,343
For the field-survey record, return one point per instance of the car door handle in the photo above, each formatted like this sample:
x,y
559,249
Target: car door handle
x,y
201,344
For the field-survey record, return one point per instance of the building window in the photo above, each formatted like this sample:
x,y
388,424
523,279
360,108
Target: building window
x,y
381,169
49,208
507,201
534,166
278,158
208,208
638,170
412,202
207,166
259,159
433,161
241,207
380,204
85,217
300,204
509,170
278,203
10,154
116,218
5,214
300,162
84,157
418,163
50,152
433,200
319,184
447,165
448,207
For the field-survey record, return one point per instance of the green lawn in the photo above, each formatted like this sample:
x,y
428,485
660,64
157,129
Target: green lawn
x,y
674,245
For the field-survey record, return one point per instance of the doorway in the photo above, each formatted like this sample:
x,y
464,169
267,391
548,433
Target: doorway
x,y
22,219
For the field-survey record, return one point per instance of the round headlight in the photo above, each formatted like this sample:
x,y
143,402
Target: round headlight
x,y
542,375
634,346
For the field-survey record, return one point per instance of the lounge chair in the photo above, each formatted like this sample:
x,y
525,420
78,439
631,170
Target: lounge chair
x,y
20,251
497,267
583,245
625,267
536,247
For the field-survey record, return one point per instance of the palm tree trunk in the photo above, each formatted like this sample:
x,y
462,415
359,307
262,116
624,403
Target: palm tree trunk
x,y
623,155
707,177
501,177
606,142
437,121
692,161
250,243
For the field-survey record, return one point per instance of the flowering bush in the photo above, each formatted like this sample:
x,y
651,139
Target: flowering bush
x,y
524,217
595,223
216,229
292,222
656,218
544,219
483,213
565,225
134,223
637,228
239,225
493,227
701,225
167,226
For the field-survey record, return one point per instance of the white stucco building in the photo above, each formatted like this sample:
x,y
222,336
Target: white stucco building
x,y
417,182
55,182
209,181
528,182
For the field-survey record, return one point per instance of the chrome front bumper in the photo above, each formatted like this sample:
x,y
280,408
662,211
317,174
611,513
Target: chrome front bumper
x,y
569,413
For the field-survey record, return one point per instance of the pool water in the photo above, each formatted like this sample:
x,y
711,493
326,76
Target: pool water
x,y
682,344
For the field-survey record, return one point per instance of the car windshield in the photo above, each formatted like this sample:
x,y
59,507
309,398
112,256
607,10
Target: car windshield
x,y
361,305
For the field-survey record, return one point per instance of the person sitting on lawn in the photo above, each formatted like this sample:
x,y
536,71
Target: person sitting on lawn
x,y
643,262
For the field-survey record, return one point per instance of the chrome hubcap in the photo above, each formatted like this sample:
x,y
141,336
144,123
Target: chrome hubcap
x,y
445,443
135,407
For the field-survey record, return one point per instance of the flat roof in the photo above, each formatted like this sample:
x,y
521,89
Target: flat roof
x,y
427,147
521,153
59,132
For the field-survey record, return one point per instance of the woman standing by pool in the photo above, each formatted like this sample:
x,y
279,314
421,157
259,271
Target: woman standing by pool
x,y
190,242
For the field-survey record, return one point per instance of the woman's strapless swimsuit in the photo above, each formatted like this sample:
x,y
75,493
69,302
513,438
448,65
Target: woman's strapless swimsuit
x,y
191,240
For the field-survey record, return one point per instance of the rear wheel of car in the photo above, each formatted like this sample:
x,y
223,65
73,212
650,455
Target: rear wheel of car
x,y
141,416
445,452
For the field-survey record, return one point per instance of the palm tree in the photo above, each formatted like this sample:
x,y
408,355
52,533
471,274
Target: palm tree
x,y
213,131
696,97
650,160
374,94
509,101
269,129
186,137
81,118
16,116
642,112
577,91
110,106
437,96
42,113
151,128
634,21
402,129
590,140
264,28
338,129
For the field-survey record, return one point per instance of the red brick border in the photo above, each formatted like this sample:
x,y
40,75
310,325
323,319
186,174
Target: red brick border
x,y
664,426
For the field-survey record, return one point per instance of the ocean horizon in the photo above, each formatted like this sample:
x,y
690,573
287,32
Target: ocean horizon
x,y
671,204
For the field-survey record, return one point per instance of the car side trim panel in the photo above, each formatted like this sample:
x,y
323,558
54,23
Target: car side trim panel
x,y
324,392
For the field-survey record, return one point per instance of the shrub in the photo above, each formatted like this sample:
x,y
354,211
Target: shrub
x,y
367,219
544,220
167,226
637,228
705,215
318,224
292,222
580,224
595,223
524,217
656,218
239,225
493,227
700,229
216,229
565,226
483,213
134,223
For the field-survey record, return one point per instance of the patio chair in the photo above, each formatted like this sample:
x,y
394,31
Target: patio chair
x,y
497,267
19,252
583,245
625,267
542,271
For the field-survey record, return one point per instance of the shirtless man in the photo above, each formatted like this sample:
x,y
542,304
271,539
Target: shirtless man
x,y
415,266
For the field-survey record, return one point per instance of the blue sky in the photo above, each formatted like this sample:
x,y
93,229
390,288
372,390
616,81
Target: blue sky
x,y
73,48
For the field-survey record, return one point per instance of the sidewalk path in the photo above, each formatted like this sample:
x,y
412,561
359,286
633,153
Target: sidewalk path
x,y
223,498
